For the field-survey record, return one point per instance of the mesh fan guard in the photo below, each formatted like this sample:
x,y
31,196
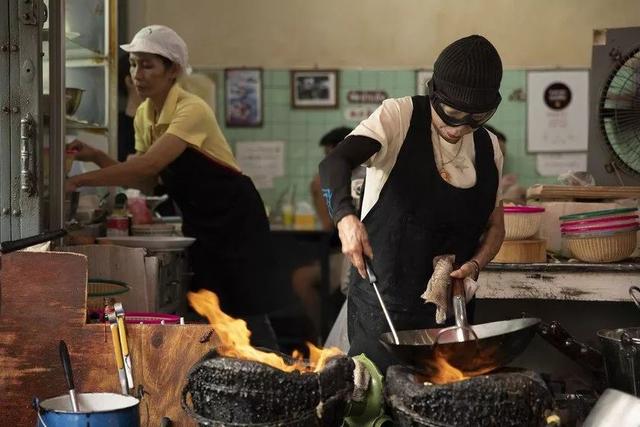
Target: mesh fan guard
x,y
619,113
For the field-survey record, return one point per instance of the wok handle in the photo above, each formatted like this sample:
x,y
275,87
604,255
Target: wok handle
x,y
15,245
632,292
457,289
586,356
460,309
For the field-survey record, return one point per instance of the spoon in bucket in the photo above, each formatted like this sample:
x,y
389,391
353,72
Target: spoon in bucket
x,y
68,373
373,279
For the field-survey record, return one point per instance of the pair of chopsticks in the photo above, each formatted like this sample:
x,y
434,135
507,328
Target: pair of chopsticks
x,y
121,347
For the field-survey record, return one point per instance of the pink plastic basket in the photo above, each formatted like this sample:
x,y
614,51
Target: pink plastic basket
x,y
585,229
602,221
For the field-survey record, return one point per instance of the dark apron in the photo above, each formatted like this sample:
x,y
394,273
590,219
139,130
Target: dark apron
x,y
417,217
232,255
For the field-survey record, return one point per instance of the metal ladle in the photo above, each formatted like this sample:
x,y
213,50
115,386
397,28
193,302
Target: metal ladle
x,y
373,279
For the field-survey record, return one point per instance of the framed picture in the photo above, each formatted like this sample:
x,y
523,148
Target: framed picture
x,y
422,77
314,89
243,97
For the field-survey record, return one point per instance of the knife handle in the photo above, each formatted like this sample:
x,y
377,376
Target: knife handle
x,y
116,345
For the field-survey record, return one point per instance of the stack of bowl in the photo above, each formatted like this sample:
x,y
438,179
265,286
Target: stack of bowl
x,y
520,245
601,236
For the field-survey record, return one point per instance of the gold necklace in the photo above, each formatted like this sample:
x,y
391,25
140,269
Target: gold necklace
x,y
443,172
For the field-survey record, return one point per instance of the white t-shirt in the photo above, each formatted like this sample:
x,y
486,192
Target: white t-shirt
x,y
389,125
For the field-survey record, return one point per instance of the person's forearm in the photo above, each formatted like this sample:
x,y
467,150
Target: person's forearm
x,y
128,174
335,173
491,243
103,160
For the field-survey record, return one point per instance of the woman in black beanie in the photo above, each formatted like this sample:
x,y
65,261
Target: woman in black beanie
x,y
431,189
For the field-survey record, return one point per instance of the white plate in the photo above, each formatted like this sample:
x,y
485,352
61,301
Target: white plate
x,y
149,242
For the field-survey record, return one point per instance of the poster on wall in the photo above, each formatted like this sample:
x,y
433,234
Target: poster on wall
x,y
262,161
557,111
243,97
314,89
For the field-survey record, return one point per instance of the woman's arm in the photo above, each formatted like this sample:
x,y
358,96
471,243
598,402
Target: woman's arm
x,y
489,247
335,177
137,170
320,205
86,153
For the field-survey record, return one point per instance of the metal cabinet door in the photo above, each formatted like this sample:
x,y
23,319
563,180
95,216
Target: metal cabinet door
x,y
21,127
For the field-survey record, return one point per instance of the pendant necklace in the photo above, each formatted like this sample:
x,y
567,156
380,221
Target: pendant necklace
x,y
443,172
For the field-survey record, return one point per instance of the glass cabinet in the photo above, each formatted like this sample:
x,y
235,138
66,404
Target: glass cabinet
x,y
58,62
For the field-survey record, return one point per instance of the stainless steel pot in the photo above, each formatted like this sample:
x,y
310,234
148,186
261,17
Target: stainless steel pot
x,y
621,353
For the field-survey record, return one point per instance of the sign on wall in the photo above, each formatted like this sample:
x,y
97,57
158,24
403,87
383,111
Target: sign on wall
x,y
557,111
262,161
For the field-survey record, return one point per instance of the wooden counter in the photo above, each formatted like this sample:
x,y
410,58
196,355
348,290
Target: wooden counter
x,y
559,281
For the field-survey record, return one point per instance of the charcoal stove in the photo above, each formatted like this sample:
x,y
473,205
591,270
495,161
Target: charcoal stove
x,y
506,398
231,391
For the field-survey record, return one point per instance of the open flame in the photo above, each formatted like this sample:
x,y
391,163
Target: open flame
x,y
233,337
440,370
444,372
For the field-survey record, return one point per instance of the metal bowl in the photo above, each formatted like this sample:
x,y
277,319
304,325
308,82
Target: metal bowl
x,y
72,97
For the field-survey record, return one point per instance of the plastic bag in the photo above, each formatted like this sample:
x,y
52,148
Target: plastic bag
x,y
577,178
140,212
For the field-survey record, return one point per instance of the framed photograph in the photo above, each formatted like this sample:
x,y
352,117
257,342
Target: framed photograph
x,y
314,89
243,97
422,77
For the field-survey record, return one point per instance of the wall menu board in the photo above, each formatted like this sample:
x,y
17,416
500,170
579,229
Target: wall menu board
x,y
557,111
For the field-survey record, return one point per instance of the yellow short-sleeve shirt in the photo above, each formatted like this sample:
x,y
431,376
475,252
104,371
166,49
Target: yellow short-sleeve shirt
x,y
188,117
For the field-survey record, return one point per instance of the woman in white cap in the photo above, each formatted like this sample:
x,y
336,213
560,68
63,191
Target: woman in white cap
x,y
178,139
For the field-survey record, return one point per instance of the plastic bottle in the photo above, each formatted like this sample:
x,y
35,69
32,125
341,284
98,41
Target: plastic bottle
x,y
304,218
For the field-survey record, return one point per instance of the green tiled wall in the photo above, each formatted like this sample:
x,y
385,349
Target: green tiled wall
x,y
302,129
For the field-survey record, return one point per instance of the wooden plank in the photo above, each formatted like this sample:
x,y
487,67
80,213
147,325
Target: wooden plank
x,y
550,285
544,191
112,262
43,297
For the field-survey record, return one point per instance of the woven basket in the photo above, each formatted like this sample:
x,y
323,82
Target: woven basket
x,y
604,248
100,289
521,226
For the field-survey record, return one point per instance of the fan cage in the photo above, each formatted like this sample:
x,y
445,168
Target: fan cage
x,y
619,113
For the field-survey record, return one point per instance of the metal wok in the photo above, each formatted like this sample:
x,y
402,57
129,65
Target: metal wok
x,y
477,350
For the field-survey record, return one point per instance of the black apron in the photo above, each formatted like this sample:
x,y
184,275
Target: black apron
x,y
418,216
232,255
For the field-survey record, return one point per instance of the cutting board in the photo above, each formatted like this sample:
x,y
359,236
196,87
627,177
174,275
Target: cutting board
x,y
569,192
522,251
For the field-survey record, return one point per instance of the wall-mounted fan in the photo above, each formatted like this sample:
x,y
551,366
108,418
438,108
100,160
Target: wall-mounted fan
x,y
614,134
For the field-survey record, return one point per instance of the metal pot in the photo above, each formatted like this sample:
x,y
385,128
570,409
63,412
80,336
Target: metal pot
x,y
621,352
96,409
72,98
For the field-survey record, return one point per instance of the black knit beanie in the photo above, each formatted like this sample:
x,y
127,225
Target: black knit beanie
x,y
467,74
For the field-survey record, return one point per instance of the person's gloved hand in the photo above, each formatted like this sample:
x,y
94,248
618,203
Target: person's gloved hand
x,y
469,273
438,287
355,242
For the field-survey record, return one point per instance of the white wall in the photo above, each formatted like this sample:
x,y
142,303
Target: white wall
x,y
382,34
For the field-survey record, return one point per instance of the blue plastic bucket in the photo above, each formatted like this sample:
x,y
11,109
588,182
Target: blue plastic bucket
x,y
96,410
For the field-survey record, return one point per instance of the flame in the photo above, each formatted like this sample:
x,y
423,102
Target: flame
x,y
439,370
444,372
233,337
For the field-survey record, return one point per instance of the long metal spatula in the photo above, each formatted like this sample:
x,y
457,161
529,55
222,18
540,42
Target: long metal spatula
x,y
373,279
